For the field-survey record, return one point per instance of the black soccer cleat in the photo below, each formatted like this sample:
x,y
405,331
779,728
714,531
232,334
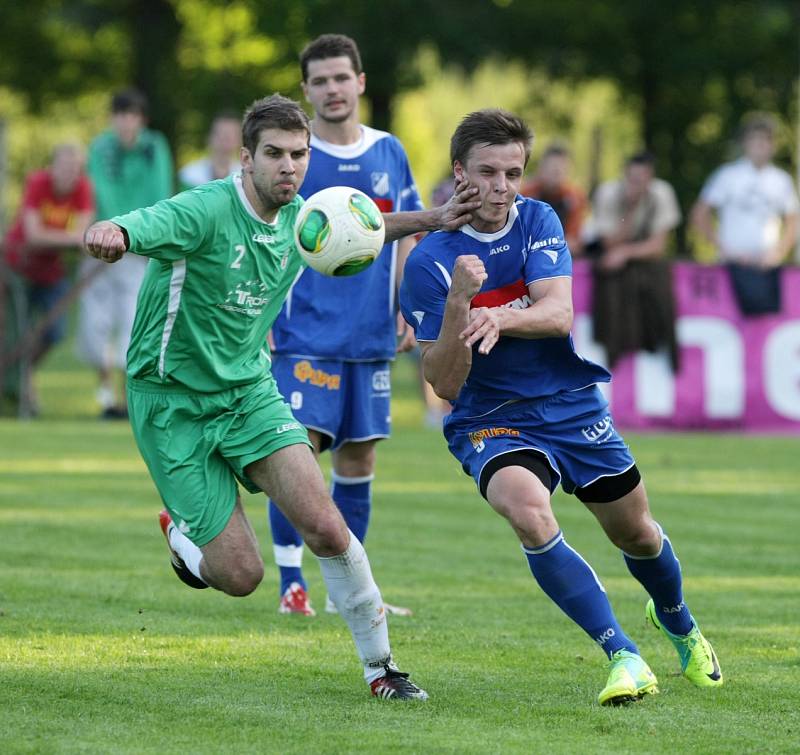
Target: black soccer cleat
x,y
396,686
184,575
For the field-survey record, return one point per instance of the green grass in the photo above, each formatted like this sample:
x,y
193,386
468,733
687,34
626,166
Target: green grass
x,y
103,650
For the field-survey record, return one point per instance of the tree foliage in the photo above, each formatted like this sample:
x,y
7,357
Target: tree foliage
x,y
690,70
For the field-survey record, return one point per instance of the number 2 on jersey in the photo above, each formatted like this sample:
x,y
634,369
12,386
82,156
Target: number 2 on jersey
x,y
240,249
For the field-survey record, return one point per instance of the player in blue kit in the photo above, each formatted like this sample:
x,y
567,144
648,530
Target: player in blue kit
x,y
491,305
334,370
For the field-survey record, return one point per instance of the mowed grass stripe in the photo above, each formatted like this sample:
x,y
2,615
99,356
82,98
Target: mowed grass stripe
x,y
103,650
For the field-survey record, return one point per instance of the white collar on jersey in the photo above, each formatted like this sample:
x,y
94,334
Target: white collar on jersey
x,y
350,151
237,182
513,214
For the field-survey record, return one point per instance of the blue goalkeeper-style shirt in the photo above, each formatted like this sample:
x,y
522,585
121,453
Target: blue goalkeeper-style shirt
x,y
529,248
352,318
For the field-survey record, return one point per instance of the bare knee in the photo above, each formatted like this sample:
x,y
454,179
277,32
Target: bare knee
x,y
534,524
640,538
355,459
518,495
243,579
327,535
530,517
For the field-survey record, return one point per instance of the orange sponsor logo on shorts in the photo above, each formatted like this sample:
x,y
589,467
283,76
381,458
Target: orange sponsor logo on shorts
x,y
479,436
305,373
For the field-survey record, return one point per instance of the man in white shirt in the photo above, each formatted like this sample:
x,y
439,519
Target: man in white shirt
x,y
755,204
224,142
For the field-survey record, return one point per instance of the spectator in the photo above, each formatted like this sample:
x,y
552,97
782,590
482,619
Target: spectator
x,y
551,184
224,143
633,307
131,167
57,207
757,208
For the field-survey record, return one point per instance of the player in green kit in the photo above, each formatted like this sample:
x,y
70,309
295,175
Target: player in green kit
x,y
204,407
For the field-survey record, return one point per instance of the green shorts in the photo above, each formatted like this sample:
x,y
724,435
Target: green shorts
x,y
196,445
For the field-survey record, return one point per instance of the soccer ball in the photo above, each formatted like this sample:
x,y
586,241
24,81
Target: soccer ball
x,y
339,231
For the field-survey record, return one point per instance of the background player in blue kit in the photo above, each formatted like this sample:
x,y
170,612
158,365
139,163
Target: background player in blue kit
x,y
334,370
491,305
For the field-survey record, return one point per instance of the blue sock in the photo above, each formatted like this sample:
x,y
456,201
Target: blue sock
x,y
574,587
288,547
661,576
353,496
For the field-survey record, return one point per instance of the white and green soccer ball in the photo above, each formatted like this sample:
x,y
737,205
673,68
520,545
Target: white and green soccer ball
x,y
339,231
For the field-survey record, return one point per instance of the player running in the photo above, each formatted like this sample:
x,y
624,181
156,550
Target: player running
x,y
204,407
349,411
491,304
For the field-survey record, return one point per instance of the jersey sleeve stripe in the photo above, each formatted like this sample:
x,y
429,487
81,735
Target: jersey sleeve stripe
x,y
447,279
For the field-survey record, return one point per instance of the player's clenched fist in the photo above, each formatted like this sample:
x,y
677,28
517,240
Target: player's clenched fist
x,y
106,241
469,274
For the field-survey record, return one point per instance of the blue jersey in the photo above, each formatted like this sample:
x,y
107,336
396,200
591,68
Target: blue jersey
x,y
529,248
351,319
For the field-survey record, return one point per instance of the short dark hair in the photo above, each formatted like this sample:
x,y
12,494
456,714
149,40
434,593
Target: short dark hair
x,y
762,123
490,126
226,115
129,101
330,46
275,111
644,157
556,149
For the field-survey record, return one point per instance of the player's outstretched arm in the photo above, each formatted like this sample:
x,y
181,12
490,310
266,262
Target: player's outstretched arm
x,y
450,216
106,241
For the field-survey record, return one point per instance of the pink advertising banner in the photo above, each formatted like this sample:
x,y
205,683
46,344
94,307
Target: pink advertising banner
x,y
736,372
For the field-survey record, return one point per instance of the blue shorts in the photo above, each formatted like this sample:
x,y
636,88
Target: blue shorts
x,y
572,429
345,402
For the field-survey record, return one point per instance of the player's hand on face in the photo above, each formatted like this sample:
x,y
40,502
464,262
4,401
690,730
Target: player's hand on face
x,y
484,326
105,241
469,273
457,211
405,335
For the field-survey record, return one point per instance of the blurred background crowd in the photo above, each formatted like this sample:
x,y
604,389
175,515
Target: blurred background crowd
x,y
663,131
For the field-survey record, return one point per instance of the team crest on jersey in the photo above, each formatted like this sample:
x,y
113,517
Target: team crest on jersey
x,y
478,436
380,182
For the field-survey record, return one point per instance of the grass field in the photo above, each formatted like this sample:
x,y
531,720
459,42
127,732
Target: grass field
x,y
102,650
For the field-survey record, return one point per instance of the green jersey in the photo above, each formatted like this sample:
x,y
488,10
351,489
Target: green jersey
x,y
217,278
127,179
